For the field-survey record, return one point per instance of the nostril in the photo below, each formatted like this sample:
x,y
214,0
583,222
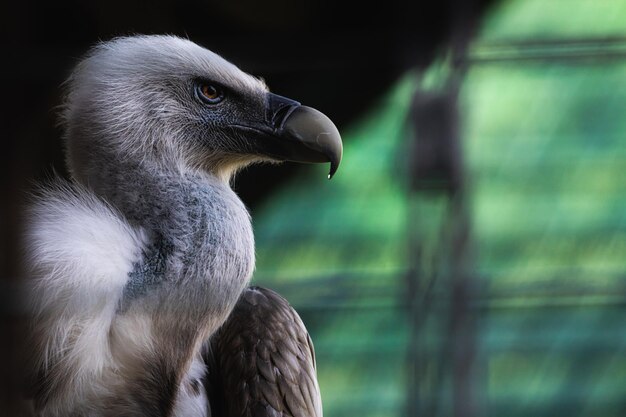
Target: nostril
x,y
278,109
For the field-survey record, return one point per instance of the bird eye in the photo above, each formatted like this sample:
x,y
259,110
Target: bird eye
x,y
210,94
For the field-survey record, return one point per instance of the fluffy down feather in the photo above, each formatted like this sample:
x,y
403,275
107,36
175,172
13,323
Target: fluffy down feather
x,y
80,250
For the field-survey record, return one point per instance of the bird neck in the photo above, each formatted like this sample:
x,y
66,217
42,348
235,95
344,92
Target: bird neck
x,y
199,233
197,261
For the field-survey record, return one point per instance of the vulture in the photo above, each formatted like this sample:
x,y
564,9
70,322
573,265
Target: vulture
x,y
140,263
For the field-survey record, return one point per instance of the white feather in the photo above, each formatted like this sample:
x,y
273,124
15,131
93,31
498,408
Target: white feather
x,y
80,251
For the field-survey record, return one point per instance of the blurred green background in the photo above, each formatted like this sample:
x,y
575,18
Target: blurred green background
x,y
495,283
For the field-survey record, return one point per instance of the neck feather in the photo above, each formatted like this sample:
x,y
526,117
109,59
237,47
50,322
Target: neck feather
x,y
199,259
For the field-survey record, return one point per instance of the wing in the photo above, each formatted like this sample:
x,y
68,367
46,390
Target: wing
x,y
79,252
263,361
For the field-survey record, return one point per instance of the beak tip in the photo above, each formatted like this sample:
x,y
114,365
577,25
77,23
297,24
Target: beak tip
x,y
333,169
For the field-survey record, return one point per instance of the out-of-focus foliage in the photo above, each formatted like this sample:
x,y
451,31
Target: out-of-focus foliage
x,y
543,128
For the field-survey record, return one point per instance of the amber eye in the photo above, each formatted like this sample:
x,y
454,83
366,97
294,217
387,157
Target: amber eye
x,y
210,93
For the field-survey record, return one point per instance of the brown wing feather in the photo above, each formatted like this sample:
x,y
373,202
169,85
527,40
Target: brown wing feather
x,y
262,362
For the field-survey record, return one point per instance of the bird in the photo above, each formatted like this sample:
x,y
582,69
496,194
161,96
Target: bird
x,y
139,264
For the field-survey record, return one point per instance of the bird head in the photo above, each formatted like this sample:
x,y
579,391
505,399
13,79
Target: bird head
x,y
166,100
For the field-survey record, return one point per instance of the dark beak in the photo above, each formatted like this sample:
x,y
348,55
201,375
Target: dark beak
x,y
293,132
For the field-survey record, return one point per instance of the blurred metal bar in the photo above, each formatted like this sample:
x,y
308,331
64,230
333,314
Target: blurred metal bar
x,y
436,168
443,381
553,50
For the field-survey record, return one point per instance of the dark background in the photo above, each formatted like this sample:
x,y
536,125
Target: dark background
x,y
333,56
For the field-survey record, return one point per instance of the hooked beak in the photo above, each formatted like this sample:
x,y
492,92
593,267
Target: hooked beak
x,y
292,132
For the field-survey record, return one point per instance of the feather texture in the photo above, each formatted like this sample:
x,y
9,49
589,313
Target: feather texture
x,y
80,251
263,361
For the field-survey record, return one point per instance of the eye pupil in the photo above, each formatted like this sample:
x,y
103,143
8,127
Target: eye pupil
x,y
211,93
